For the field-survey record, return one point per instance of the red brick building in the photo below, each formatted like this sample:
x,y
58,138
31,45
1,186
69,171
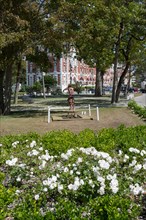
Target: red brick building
x,y
66,70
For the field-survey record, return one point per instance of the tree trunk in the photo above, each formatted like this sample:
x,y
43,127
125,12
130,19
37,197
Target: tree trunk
x,y
98,86
127,61
1,92
7,90
121,81
115,79
17,82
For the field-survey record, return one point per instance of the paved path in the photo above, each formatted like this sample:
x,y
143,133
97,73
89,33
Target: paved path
x,y
141,100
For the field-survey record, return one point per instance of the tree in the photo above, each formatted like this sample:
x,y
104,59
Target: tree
x,y
16,25
50,81
104,32
78,87
23,28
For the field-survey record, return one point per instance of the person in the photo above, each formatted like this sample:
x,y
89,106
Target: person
x,y
70,96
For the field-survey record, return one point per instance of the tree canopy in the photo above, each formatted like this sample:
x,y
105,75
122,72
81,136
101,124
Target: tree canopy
x,y
104,32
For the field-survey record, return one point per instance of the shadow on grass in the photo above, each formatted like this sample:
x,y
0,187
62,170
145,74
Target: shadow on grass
x,y
26,114
78,102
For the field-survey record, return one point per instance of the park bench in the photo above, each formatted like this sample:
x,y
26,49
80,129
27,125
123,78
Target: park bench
x,y
27,99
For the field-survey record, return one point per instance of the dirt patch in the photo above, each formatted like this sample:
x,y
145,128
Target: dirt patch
x,y
108,117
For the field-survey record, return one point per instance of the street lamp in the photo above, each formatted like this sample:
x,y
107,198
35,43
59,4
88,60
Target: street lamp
x,y
43,74
70,72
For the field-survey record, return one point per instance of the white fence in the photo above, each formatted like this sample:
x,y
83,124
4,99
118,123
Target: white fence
x,y
83,112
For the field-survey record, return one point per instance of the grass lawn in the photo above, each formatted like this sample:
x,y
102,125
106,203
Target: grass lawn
x,y
25,122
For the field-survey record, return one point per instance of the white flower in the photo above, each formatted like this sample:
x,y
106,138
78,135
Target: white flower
x,y
136,189
104,155
126,157
40,148
36,197
137,168
12,162
81,182
134,150
35,152
14,144
100,179
104,164
1,145
91,183
18,179
79,160
33,144
114,185
45,189
60,188
101,190
70,186
64,156
29,154
71,172
95,170
66,169
144,166
54,178
45,182
42,165
143,152
69,152
74,165
133,163
53,185
45,157
120,152
109,159
73,187
22,165
17,192
109,177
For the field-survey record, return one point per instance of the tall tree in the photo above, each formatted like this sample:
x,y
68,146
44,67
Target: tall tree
x,y
15,31
23,27
98,29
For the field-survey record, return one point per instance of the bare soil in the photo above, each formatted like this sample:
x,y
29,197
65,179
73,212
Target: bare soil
x,y
108,117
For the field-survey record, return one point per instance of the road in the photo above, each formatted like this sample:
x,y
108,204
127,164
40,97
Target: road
x,y
141,100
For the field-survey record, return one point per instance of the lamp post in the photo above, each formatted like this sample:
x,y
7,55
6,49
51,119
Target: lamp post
x,y
43,74
70,65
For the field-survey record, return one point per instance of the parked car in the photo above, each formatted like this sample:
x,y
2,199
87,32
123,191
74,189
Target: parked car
x,y
143,90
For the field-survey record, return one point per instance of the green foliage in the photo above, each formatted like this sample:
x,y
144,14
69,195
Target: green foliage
x,y
78,88
7,196
50,81
54,139
137,109
37,87
38,173
40,58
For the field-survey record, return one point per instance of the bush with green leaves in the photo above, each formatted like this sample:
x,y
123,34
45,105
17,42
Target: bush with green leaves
x,y
62,175
137,109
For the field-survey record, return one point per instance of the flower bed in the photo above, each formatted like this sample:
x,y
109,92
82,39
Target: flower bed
x,y
46,178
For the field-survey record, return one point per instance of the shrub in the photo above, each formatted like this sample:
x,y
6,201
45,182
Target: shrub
x,y
62,175
141,111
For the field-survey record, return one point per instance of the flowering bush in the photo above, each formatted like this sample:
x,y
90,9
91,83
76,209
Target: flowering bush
x,y
79,183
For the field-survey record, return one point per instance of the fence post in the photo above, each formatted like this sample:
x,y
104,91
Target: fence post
x,y
97,113
48,114
89,110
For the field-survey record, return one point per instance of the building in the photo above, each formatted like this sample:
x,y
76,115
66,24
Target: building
x,y
66,70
